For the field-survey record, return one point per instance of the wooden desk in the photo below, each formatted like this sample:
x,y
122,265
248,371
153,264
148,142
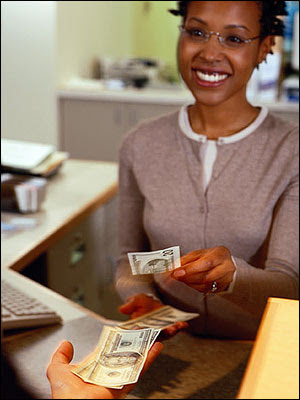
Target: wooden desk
x,y
273,368
79,188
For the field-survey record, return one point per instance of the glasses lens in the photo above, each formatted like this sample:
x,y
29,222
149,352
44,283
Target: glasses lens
x,y
233,41
194,34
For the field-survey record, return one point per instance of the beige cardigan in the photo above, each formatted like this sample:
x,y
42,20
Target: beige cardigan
x,y
251,207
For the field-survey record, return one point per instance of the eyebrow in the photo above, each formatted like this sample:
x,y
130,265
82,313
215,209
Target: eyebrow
x,y
231,26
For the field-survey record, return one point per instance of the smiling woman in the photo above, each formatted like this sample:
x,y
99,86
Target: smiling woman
x,y
219,178
224,58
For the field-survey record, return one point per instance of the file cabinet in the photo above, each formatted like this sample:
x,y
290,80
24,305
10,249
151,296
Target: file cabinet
x,y
81,265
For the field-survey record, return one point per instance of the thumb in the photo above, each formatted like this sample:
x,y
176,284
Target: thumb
x,y
64,353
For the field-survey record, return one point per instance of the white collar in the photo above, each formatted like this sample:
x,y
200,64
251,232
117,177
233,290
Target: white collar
x,y
186,128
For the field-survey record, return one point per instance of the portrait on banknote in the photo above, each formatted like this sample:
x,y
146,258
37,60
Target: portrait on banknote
x,y
154,262
156,265
120,359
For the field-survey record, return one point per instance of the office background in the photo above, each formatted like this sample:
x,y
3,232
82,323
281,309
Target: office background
x,y
46,43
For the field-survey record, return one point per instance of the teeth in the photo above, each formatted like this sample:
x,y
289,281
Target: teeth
x,y
211,78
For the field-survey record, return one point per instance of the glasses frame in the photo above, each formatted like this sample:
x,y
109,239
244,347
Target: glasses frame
x,y
221,39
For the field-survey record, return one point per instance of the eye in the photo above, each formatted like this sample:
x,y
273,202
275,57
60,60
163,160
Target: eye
x,y
233,39
196,32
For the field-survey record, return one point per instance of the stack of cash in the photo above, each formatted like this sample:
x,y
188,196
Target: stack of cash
x,y
153,262
118,358
122,350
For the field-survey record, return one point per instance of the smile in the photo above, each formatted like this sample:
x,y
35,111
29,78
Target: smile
x,y
215,77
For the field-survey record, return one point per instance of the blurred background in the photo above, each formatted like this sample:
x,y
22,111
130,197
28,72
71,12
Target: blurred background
x,y
93,69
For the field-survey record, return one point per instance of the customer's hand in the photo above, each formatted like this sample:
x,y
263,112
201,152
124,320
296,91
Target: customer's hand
x,y
66,385
200,268
141,304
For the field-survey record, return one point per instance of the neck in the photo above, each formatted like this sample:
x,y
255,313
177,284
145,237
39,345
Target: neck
x,y
221,120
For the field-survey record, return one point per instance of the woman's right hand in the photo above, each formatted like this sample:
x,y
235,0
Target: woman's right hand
x,y
141,304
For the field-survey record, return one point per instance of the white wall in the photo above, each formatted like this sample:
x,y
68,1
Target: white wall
x,y
28,71
87,30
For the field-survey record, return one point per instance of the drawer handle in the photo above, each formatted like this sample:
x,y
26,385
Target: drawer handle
x,y
77,254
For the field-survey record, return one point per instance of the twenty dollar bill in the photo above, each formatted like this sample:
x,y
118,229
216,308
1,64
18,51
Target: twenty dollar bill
x,y
153,262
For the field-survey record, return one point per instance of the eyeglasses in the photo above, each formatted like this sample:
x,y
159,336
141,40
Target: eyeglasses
x,y
230,41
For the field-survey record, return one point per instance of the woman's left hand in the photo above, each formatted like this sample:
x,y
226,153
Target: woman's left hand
x,y
200,268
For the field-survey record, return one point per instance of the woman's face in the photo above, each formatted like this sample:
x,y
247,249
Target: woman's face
x,y
214,73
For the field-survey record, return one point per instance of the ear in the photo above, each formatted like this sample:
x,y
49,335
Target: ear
x,y
265,48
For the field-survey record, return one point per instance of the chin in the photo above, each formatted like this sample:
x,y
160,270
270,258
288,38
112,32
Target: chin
x,y
209,101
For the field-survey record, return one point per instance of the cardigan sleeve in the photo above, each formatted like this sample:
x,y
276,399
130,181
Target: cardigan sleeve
x,y
279,275
132,237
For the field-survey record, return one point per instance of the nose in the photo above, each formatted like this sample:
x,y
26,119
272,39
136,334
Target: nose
x,y
212,50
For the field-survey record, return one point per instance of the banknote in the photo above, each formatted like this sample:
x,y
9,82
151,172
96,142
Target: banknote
x,y
118,358
159,319
153,262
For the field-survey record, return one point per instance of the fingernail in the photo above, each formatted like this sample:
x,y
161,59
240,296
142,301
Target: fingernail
x,y
179,273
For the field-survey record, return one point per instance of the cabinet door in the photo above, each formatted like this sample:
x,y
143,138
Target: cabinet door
x,y
91,129
69,264
137,112
81,265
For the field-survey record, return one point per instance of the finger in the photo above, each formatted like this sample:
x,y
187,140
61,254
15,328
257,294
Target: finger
x,y
220,272
152,354
201,287
138,313
172,330
194,268
192,256
64,353
129,307
193,279
206,287
178,326
211,259
223,281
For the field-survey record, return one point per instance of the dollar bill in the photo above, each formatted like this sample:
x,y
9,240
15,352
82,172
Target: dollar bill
x,y
118,358
154,262
158,319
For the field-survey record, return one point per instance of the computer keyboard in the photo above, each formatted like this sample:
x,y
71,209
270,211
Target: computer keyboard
x,y
19,310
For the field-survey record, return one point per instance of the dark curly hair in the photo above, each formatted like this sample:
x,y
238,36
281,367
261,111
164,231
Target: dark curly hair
x,y
270,23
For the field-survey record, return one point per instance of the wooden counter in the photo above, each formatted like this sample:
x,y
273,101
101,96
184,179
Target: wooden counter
x,y
273,368
79,188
